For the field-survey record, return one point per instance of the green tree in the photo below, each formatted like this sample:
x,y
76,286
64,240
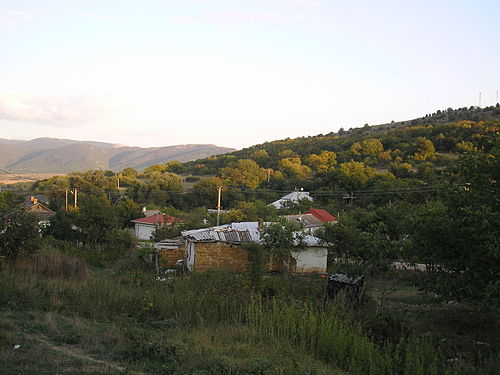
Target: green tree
x,y
174,166
166,231
323,162
126,210
423,149
129,172
354,174
205,192
63,226
457,238
293,168
244,172
367,147
19,233
280,238
260,156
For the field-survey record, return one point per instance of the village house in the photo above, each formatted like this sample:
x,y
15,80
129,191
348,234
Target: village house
x,y
311,220
289,199
220,248
145,226
33,205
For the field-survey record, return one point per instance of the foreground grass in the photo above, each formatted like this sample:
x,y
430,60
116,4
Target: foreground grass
x,y
124,321
52,343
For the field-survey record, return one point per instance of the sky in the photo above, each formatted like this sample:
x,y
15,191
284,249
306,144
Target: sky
x,y
237,72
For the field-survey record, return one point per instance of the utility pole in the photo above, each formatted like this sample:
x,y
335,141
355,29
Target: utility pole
x,y
66,199
349,198
268,176
219,191
479,99
76,197
118,183
496,102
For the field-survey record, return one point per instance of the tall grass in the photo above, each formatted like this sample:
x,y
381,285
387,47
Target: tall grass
x,y
342,342
53,264
214,299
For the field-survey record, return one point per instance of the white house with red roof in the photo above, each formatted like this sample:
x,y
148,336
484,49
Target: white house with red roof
x,y
311,220
145,226
321,214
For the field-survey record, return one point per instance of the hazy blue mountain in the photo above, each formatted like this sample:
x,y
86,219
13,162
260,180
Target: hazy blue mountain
x,y
54,155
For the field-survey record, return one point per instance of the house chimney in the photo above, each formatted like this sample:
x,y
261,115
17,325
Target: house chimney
x,y
33,199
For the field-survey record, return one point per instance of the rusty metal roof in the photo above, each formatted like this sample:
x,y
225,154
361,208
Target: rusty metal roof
x,y
236,233
232,233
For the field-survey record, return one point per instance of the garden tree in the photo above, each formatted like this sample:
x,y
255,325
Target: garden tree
x,y
423,149
19,233
293,168
244,172
323,162
367,248
205,192
166,231
63,226
158,190
125,210
249,211
457,238
280,238
232,216
198,218
367,251
96,219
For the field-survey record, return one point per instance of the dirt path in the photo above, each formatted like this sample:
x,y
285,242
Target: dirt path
x,y
78,353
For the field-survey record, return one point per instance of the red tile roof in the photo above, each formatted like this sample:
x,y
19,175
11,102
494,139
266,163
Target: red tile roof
x,y
157,219
321,214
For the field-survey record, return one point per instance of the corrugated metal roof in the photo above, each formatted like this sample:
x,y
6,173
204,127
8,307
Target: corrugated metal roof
x,y
236,233
294,197
307,220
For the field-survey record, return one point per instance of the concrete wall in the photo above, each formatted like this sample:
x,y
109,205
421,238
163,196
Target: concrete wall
x,y
144,231
311,260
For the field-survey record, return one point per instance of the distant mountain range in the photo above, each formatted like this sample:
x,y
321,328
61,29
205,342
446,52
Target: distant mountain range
x,y
54,155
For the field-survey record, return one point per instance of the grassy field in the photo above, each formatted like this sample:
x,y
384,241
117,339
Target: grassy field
x,y
119,319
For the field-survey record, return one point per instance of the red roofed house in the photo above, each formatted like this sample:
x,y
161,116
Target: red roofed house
x,y
145,226
321,214
312,220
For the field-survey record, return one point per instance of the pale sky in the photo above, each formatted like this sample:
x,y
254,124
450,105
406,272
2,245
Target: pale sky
x,y
237,72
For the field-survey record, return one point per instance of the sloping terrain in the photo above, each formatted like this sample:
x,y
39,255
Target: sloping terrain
x,y
52,155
